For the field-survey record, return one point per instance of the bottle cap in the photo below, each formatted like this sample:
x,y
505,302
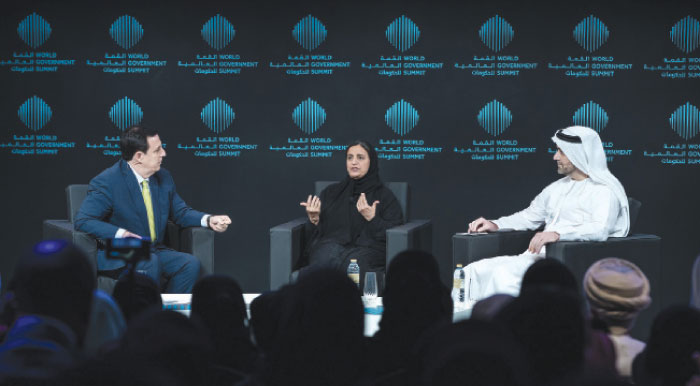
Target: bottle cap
x,y
353,260
459,265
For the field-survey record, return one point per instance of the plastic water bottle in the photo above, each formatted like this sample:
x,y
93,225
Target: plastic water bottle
x,y
458,288
354,271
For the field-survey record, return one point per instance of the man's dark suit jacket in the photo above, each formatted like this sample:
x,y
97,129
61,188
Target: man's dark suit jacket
x,y
114,201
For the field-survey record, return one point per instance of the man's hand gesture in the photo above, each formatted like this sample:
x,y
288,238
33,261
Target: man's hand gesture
x,y
219,223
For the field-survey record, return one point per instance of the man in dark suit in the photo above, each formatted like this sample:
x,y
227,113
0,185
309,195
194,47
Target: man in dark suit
x,y
135,198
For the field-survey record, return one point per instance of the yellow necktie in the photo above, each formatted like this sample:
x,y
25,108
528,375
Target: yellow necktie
x,y
149,209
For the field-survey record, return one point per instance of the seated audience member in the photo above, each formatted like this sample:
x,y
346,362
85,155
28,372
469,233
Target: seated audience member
x,y
106,325
52,293
472,352
138,295
550,326
588,203
320,334
350,218
414,301
617,290
217,301
265,315
551,273
170,341
486,309
695,379
159,348
554,275
667,358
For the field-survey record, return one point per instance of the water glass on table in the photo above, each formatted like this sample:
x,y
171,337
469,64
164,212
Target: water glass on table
x,y
370,291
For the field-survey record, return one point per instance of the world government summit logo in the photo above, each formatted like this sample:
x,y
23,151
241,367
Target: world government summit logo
x,y
685,121
591,115
495,118
217,115
309,32
685,34
496,33
34,30
125,113
402,33
401,117
126,31
309,116
218,32
591,33
34,113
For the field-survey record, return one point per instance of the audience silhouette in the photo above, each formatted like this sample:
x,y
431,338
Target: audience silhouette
x,y
217,301
415,300
136,293
51,295
56,329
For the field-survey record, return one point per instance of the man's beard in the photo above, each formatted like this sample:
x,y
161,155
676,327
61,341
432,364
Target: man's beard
x,y
565,169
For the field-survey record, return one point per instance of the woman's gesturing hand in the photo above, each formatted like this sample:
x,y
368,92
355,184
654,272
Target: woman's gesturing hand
x,y
367,211
313,208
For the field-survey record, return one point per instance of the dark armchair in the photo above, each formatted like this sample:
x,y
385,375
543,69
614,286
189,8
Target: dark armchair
x,y
642,250
287,240
196,241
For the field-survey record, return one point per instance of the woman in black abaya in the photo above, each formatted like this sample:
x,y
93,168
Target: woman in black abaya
x,y
350,218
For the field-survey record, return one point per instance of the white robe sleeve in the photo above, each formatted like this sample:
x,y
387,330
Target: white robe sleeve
x,y
598,223
529,218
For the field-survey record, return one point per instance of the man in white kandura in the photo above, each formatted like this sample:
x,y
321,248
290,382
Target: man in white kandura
x,y
589,203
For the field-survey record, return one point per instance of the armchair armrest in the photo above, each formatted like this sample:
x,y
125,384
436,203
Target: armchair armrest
x,y
286,245
642,250
629,248
199,242
415,234
469,248
63,229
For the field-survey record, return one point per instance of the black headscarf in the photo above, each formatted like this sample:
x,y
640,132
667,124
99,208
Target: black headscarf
x,y
415,301
667,357
549,323
145,295
319,335
550,272
414,297
217,301
340,219
473,352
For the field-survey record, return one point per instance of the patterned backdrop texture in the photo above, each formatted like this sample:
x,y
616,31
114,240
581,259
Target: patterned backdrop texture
x,y
256,100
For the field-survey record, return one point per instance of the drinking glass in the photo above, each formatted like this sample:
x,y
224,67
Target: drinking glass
x,y
370,285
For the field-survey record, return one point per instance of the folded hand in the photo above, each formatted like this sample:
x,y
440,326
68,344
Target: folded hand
x,y
219,223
